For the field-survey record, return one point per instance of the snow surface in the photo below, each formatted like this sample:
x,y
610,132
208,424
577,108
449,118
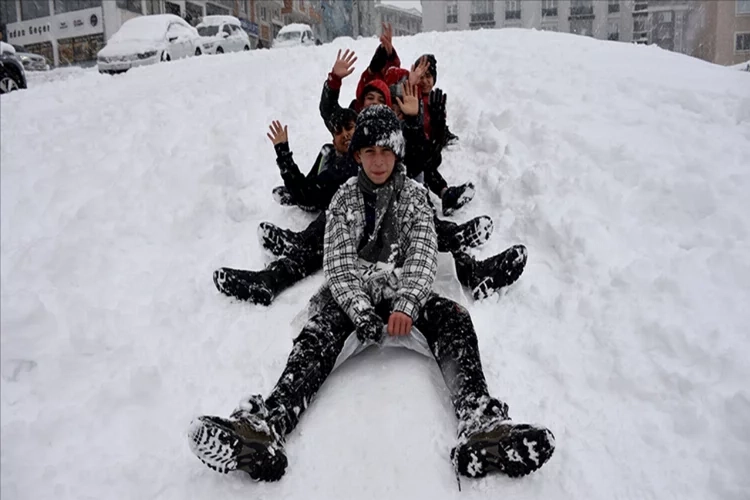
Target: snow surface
x,y
295,27
219,20
146,28
623,168
6,47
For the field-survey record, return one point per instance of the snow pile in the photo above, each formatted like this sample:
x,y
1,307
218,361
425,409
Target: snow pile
x,y
622,168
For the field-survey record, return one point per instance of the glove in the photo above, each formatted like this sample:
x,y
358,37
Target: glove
x,y
369,327
437,115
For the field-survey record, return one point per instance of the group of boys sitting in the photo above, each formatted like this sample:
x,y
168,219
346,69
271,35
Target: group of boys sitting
x,y
377,240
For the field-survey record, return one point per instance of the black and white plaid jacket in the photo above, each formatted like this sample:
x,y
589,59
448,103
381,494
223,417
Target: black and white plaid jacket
x,y
357,284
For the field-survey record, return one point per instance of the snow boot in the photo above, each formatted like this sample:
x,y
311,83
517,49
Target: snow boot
x,y
488,441
486,277
245,441
279,242
256,287
460,237
456,197
283,197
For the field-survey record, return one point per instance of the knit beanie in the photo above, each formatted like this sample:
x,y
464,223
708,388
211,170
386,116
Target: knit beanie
x,y
377,125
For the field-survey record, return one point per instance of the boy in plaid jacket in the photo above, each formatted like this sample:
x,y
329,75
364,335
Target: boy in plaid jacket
x,y
380,263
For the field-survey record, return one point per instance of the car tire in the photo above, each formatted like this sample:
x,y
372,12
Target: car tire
x,y
9,81
198,52
219,50
247,47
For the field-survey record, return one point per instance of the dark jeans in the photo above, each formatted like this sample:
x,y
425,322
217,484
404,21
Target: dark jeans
x,y
446,326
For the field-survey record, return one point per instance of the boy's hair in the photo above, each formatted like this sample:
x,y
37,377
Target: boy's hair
x,y
431,64
342,119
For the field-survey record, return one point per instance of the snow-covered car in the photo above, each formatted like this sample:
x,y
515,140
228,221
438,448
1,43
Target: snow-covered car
x,y
293,35
222,34
149,40
33,62
12,74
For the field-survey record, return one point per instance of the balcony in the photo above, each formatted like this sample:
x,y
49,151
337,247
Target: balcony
x,y
482,20
512,14
549,12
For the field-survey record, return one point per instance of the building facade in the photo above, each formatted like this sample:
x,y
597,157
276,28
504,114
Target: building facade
x,y
714,30
404,21
70,32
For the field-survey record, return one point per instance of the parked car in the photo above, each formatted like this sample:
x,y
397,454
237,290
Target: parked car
x,y
293,35
146,40
222,34
33,62
12,74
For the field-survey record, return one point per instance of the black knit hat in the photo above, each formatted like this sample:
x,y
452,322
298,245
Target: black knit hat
x,y
432,64
341,118
377,125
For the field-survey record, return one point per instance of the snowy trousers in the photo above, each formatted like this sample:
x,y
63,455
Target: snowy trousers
x,y
307,258
446,326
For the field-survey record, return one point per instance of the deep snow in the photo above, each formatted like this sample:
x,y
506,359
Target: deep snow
x,y
623,168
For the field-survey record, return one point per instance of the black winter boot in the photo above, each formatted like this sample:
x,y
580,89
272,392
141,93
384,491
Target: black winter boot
x,y
456,197
490,275
460,237
280,242
283,197
245,441
257,287
488,441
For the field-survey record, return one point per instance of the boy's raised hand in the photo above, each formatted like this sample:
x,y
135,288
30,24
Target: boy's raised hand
x,y
410,105
418,71
278,134
344,66
386,39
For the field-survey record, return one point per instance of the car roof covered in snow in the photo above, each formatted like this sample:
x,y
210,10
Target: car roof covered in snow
x,y
6,47
147,27
219,20
291,28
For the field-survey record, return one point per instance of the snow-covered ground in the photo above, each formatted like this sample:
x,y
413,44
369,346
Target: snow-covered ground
x,y
623,168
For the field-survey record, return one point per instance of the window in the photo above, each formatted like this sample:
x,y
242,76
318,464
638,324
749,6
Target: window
x,y
583,27
483,12
451,12
62,6
613,32
215,10
33,9
227,30
8,12
131,5
263,14
639,26
743,7
512,9
549,8
581,8
742,42
153,7
614,6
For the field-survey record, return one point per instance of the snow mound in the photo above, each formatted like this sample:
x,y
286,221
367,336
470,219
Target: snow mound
x,y
622,168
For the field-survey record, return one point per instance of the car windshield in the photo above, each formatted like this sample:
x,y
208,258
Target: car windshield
x,y
291,35
141,28
208,30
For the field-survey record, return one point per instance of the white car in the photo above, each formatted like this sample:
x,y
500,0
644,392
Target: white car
x,y
33,62
222,34
293,35
148,40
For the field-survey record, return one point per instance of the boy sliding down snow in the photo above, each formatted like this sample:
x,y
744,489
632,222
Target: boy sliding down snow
x,y
332,167
380,264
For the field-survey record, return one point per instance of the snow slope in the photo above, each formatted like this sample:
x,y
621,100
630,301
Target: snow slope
x,y
623,168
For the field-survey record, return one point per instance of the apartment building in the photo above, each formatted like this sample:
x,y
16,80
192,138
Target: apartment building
x,y
404,21
723,32
603,19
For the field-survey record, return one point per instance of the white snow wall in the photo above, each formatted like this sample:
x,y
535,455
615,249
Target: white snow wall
x,y
623,168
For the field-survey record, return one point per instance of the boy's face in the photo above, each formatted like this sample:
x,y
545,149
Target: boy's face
x,y
426,83
373,97
378,163
343,137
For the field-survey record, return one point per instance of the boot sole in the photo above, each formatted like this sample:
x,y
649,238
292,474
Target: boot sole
x,y
517,455
492,284
240,289
476,233
221,450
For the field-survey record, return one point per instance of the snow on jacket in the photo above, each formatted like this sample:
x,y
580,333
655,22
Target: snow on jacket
x,y
358,285
327,174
